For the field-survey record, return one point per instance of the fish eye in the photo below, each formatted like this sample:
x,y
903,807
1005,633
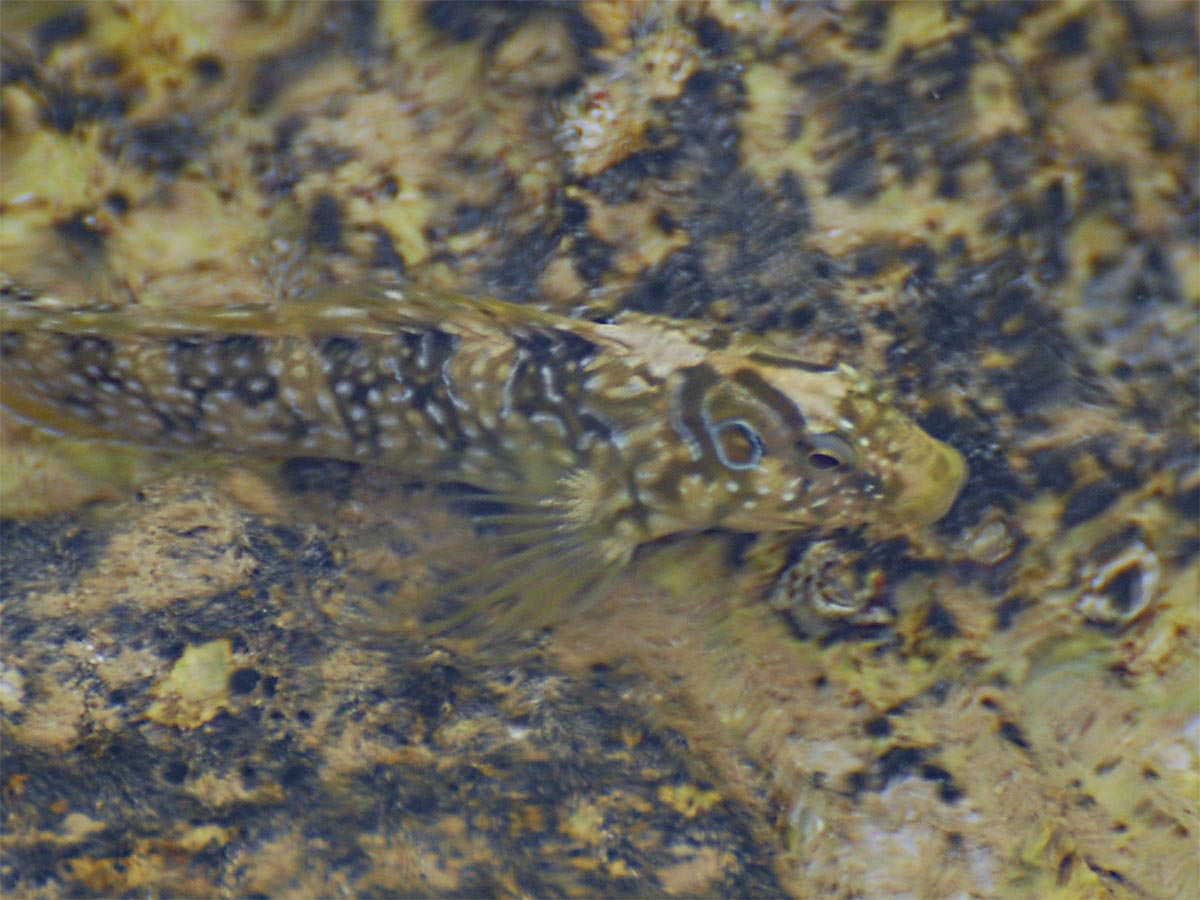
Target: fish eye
x,y
826,452
738,445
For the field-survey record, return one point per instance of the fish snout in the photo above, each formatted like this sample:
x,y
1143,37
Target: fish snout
x,y
930,478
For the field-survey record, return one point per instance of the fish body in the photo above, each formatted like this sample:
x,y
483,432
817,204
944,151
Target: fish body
x,y
599,437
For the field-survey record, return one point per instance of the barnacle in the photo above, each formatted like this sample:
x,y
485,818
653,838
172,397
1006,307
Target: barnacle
x,y
823,589
991,540
1121,589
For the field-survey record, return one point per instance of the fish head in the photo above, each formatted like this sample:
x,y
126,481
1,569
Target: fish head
x,y
785,444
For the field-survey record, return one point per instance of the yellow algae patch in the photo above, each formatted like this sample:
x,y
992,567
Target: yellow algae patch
x,y
585,823
687,799
177,543
632,229
42,474
49,174
696,870
199,248
773,111
197,687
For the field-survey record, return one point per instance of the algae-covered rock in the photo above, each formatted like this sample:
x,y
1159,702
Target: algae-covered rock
x,y
215,676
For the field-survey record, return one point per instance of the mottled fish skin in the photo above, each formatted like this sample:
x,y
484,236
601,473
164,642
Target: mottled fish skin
x,y
613,433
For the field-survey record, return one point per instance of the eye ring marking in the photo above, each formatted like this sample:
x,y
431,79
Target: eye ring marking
x,y
737,443
827,452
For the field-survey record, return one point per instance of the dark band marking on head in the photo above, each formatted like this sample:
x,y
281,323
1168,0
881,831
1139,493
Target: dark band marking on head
x,y
687,409
779,402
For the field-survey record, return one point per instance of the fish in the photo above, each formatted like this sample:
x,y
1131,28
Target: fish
x,y
591,438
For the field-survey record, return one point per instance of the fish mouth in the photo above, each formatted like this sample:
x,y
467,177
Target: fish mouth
x,y
931,481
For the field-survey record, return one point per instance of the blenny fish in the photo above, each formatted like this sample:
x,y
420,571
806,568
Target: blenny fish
x,y
591,438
